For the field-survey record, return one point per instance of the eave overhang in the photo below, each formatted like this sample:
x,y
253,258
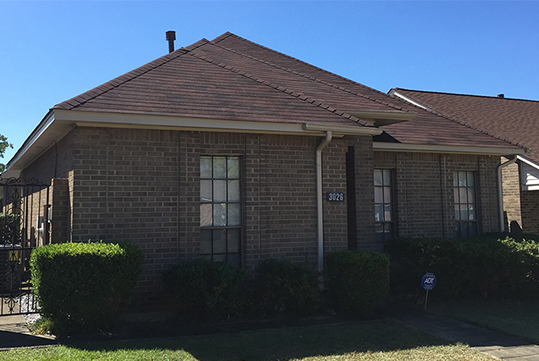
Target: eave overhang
x,y
454,149
381,118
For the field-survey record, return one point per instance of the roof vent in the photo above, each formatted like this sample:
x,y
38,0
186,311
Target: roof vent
x,y
171,36
501,96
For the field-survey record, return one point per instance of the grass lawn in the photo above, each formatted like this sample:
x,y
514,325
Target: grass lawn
x,y
370,340
520,319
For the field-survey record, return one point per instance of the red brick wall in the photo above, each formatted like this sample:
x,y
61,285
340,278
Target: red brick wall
x,y
424,190
511,194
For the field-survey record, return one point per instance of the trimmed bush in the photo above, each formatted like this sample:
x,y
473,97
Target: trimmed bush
x,y
9,228
357,280
83,287
280,286
205,290
494,266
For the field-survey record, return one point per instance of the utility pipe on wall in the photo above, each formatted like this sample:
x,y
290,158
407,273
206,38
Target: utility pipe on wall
x,y
319,199
500,191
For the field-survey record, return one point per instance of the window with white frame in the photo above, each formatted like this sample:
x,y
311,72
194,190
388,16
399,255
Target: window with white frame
x,y
383,204
220,208
465,204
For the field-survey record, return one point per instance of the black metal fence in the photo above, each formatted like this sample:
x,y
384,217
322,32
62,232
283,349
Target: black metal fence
x,y
24,225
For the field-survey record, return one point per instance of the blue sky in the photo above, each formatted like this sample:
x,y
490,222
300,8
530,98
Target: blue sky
x,y
52,51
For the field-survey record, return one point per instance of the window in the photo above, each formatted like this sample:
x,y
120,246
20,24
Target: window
x,y
383,205
465,209
220,208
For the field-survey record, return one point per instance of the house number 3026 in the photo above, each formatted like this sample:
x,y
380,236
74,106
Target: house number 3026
x,y
335,197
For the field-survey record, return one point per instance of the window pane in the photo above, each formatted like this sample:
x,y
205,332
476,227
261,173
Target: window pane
x,y
379,235
234,260
205,191
471,195
205,167
387,212
205,241
219,190
462,179
457,212
219,258
233,240
471,212
472,230
463,195
378,177
219,215
234,217
470,181
387,195
463,212
379,213
205,215
378,195
387,177
233,167
233,191
219,167
219,241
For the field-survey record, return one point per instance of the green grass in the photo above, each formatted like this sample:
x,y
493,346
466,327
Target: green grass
x,y
520,319
373,340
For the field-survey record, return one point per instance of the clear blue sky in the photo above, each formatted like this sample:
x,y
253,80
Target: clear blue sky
x,y
53,51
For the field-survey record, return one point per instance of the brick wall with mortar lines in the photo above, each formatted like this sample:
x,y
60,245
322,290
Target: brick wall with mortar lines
x,y
424,190
511,193
530,211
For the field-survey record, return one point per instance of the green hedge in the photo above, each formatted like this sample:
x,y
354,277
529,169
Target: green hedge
x,y
494,266
281,286
9,228
205,290
83,287
357,280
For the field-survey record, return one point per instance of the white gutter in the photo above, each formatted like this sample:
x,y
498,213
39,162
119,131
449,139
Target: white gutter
x,y
500,191
319,199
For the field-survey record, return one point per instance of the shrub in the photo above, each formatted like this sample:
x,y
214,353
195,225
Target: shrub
x,y
9,228
357,280
489,266
205,290
83,287
281,286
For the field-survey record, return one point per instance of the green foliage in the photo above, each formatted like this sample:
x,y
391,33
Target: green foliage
x,y
282,286
9,228
4,144
357,280
495,266
205,290
83,287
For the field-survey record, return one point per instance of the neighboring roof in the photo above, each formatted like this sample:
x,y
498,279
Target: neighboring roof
x,y
516,120
236,84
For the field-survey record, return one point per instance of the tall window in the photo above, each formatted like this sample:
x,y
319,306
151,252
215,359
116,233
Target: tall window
x,y
220,208
465,209
383,205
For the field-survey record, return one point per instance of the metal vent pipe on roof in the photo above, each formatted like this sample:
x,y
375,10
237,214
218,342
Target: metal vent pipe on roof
x,y
171,36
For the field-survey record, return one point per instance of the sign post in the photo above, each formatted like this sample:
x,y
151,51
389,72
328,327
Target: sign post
x,y
428,282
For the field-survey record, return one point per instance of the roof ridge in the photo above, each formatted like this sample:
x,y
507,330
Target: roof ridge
x,y
306,75
430,109
287,91
465,95
124,78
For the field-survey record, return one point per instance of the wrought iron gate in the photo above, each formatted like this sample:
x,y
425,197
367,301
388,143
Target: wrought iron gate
x,y
24,225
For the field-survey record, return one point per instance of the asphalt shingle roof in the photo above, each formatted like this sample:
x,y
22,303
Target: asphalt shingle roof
x,y
515,120
231,78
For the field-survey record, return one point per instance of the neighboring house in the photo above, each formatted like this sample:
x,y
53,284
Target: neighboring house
x,y
229,150
516,120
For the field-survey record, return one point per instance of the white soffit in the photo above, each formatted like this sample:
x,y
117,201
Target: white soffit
x,y
455,149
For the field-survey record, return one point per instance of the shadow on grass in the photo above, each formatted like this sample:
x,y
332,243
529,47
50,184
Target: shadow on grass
x,y
10,339
284,343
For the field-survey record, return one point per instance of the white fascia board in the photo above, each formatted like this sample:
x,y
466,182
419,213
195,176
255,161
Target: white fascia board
x,y
425,148
120,120
528,162
409,100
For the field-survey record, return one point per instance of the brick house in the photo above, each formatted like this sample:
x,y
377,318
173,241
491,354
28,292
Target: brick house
x,y
511,119
229,150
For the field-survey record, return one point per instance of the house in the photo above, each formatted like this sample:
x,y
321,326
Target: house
x,y
232,151
512,119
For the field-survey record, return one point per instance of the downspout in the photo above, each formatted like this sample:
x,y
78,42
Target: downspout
x,y
500,191
319,199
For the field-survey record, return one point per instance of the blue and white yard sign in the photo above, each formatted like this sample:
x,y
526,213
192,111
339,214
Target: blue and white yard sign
x,y
428,281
